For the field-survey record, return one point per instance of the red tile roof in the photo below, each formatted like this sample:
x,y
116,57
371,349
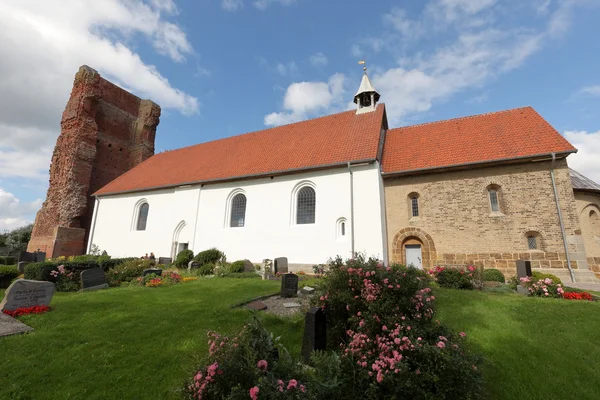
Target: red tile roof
x,y
333,139
520,132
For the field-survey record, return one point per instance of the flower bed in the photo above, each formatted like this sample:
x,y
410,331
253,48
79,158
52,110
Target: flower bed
x,y
454,277
26,310
578,296
543,287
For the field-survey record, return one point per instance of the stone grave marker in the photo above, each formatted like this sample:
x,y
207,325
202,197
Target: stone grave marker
x,y
27,293
292,305
315,331
193,265
257,305
248,266
307,290
164,260
11,326
523,270
289,285
155,271
281,265
93,278
21,266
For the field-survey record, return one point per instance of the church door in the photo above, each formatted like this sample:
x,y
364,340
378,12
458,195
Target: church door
x,y
413,255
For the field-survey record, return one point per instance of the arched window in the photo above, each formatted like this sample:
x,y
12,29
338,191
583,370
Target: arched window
x,y
494,197
142,218
595,222
414,206
341,228
306,205
238,211
532,242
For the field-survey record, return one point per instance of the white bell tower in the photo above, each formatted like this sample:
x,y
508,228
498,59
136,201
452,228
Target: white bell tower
x,y
366,97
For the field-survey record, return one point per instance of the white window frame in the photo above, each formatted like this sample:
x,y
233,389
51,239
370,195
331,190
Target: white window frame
x,y
294,203
228,209
136,215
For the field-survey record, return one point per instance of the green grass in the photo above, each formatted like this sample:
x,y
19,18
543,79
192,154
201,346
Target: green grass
x,y
128,343
533,348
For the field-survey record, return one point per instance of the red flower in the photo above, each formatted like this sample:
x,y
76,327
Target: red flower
x,y
578,296
27,310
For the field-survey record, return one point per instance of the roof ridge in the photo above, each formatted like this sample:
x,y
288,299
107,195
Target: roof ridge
x,y
463,118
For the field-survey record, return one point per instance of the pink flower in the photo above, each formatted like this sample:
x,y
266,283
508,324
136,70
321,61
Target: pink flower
x,y
262,364
292,384
441,344
302,388
254,393
462,334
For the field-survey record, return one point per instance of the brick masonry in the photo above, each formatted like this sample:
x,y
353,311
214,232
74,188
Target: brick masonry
x,y
105,131
455,225
588,209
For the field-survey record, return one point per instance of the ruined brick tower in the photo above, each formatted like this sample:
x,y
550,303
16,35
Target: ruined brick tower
x,y
105,131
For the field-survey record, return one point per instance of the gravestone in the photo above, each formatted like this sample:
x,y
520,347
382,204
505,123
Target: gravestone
x,y
523,269
248,266
281,265
292,305
155,271
165,261
11,326
93,278
257,305
193,265
21,266
27,293
289,285
315,332
307,290
32,257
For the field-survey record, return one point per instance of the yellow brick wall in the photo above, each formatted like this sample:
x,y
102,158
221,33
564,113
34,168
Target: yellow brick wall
x,y
590,227
456,224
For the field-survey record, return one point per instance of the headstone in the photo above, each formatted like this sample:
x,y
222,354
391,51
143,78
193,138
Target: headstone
x,y
27,293
21,266
257,305
26,256
93,278
165,261
193,265
289,285
292,305
248,266
40,257
11,326
266,268
281,265
307,290
315,331
155,271
523,269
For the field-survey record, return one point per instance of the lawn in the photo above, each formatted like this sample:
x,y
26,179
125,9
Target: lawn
x,y
140,343
127,343
533,348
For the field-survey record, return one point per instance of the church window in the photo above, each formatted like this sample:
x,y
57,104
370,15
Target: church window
x,y
532,242
414,204
142,217
306,205
494,200
238,210
341,228
595,222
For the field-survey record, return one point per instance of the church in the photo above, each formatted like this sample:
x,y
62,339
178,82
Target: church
x,y
486,190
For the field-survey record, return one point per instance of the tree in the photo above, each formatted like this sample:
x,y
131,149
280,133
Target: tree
x,y
18,238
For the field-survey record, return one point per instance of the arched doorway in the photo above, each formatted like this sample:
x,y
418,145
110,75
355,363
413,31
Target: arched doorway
x,y
180,241
413,246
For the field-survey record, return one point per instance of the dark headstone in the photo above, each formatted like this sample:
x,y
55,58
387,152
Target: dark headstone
x,y
27,293
155,271
289,285
92,279
21,266
315,332
164,260
523,269
193,265
40,257
26,256
248,266
257,305
280,265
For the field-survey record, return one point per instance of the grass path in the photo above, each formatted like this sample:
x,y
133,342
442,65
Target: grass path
x,y
126,343
534,348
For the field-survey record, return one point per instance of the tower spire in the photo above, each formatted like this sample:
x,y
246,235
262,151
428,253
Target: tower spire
x,y
366,97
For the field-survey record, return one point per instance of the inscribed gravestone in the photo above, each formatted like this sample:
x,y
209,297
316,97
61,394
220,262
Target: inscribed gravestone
x,y
523,269
193,265
92,279
155,271
27,293
289,285
315,331
164,260
281,265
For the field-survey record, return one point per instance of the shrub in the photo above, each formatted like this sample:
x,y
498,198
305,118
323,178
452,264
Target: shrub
x,y
536,276
494,275
543,287
41,271
207,269
7,274
127,271
237,267
183,258
210,256
65,279
8,260
455,278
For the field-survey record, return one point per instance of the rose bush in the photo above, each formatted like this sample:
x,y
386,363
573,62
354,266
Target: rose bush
x,y
543,287
455,277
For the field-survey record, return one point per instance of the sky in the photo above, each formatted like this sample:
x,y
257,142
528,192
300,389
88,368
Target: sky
x,y
224,67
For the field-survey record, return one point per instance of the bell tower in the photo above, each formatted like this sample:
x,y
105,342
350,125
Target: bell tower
x,y
366,97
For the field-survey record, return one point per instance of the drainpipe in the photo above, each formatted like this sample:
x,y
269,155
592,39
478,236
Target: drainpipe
x,y
351,208
560,218
93,227
196,221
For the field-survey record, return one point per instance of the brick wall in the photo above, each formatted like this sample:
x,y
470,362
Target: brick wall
x,y
105,131
590,226
456,226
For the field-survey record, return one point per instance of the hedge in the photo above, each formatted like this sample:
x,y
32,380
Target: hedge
x,y
8,260
210,256
41,271
7,274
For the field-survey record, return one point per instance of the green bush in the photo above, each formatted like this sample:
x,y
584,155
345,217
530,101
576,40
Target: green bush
x,y
127,271
8,260
183,258
41,271
207,269
236,267
240,275
492,274
455,278
210,256
7,274
536,276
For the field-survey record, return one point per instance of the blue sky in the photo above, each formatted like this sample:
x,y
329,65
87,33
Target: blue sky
x,y
224,67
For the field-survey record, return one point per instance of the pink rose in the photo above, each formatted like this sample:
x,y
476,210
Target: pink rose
x,y
441,344
262,364
462,334
254,393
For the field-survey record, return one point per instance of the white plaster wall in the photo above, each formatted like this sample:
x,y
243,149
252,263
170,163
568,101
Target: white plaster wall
x,y
270,230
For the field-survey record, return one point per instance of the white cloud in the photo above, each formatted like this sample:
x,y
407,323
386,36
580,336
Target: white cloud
x,y
318,60
263,4
232,5
591,90
289,68
586,159
306,99
15,213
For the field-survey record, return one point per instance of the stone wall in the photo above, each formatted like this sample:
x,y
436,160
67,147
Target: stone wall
x,y
105,131
456,226
588,209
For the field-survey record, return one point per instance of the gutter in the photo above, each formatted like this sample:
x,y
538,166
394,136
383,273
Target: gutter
x,y
560,218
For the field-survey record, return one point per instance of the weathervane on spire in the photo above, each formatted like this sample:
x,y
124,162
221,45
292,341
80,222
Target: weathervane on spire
x,y
363,62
